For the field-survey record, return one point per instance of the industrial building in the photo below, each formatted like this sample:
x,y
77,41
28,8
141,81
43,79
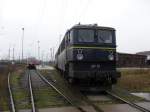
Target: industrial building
x,y
146,53
131,60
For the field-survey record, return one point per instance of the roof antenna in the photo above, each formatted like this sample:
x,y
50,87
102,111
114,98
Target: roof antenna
x,y
95,24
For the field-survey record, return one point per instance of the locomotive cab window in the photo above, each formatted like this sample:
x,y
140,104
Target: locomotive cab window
x,y
105,36
71,36
86,35
67,38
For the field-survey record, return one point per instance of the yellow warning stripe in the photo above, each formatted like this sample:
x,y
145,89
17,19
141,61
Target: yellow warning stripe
x,y
87,47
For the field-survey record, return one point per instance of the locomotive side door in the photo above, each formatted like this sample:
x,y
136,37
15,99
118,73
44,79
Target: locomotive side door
x,y
67,39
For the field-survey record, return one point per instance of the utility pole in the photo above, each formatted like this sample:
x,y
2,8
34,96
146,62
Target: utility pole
x,y
22,41
51,54
42,58
9,54
19,58
42,55
46,57
38,42
13,54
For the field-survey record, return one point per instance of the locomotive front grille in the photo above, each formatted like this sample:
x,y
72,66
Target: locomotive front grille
x,y
97,66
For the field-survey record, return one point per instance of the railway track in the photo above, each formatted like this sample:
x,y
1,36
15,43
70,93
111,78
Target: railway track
x,y
12,104
52,84
142,109
31,93
12,100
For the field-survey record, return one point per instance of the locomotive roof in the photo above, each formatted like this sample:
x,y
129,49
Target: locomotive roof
x,y
92,26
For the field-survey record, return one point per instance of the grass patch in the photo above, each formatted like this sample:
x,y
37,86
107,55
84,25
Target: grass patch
x,y
20,94
65,88
107,102
135,80
3,88
47,97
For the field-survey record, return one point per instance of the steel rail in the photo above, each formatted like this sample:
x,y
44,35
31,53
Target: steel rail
x,y
52,85
11,96
31,93
128,102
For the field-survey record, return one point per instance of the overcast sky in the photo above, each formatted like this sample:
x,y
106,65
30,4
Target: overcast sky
x,y
46,20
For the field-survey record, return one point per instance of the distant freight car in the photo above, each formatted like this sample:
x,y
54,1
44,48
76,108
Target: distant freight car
x,y
87,56
31,66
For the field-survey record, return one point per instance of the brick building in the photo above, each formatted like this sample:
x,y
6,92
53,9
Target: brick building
x,y
131,60
146,53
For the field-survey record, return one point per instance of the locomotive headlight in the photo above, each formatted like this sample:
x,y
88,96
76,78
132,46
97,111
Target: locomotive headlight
x,y
80,56
111,57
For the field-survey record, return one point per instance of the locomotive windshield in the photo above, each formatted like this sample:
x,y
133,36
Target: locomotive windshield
x,y
104,36
95,36
85,35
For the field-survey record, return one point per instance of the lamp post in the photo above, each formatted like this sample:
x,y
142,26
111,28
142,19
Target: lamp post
x,y
22,40
9,54
51,56
13,53
38,42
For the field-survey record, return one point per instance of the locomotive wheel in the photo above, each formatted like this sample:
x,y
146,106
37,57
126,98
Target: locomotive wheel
x,y
66,72
113,80
71,81
63,74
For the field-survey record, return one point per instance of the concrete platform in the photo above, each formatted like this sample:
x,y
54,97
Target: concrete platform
x,y
145,105
40,67
143,95
118,108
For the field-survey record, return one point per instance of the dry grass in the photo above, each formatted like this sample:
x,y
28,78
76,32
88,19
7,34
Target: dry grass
x,y
4,99
135,80
3,88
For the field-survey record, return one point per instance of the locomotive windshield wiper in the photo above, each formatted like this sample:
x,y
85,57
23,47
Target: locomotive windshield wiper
x,y
101,38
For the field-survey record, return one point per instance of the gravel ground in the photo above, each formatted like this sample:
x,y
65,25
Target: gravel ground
x,y
99,98
19,92
24,80
37,82
45,96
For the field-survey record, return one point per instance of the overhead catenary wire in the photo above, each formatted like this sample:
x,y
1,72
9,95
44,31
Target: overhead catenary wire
x,y
64,15
41,13
83,12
